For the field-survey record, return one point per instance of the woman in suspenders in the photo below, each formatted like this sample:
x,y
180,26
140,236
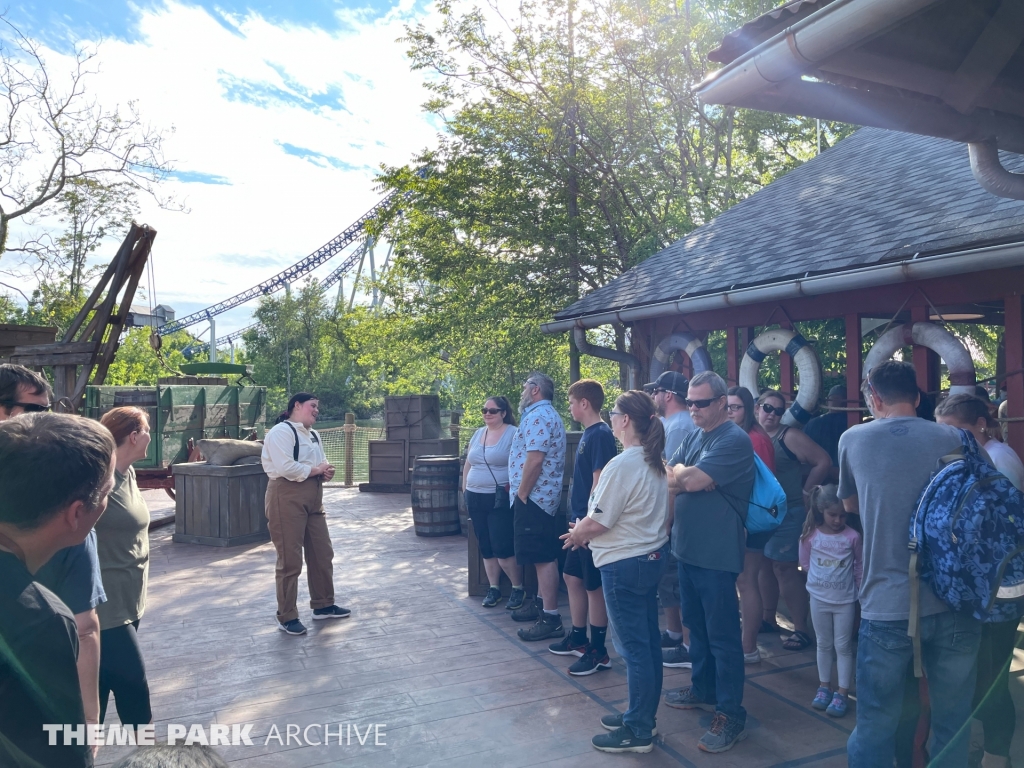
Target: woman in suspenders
x,y
294,460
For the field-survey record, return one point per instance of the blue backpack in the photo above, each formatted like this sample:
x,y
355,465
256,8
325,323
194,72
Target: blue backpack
x,y
766,506
967,540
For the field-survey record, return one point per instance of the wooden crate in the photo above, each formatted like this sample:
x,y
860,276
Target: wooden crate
x,y
412,417
441,447
388,462
219,506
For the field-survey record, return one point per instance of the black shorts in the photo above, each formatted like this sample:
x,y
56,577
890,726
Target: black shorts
x,y
580,563
536,533
493,527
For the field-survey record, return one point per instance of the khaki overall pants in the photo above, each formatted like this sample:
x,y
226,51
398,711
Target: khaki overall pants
x,y
296,520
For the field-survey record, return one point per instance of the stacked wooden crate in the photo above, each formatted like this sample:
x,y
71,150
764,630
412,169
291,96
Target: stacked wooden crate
x,y
413,428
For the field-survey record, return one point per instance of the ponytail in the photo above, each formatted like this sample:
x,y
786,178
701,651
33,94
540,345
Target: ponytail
x,y
643,415
822,497
298,397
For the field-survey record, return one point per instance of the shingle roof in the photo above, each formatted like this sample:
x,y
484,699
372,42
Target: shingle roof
x,y
876,196
756,31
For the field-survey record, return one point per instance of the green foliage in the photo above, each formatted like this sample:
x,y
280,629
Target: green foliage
x,y
136,363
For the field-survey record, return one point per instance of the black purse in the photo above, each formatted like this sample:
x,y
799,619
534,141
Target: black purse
x,y
501,497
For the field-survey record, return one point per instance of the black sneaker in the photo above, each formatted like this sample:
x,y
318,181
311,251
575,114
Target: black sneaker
x,y
530,611
566,647
492,598
331,612
621,740
668,642
293,627
685,698
613,722
515,600
676,658
546,626
590,662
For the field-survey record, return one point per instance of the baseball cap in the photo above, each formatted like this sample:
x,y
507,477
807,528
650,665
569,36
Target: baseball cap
x,y
670,381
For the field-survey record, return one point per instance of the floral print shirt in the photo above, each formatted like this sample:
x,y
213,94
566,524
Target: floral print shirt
x,y
540,429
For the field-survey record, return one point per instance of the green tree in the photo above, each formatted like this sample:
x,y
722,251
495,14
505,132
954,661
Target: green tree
x,y
137,364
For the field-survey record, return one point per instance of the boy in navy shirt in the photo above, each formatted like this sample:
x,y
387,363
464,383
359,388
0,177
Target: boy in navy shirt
x,y
583,580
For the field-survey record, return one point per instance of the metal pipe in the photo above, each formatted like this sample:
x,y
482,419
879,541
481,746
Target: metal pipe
x,y
606,353
991,174
800,47
956,263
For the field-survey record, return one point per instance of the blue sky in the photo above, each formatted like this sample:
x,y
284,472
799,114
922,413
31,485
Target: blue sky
x,y
276,117
57,21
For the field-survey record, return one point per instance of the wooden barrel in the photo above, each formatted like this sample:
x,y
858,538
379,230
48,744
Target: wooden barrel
x,y
435,496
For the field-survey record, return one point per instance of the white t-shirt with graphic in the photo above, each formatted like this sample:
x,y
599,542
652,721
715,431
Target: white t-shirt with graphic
x,y
834,563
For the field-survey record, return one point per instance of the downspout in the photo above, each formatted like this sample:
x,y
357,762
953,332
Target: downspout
x,y
579,335
991,174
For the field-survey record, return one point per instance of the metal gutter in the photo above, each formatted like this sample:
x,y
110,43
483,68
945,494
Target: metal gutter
x,y
956,263
803,45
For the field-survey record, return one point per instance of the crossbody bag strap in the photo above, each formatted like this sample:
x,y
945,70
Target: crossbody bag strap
x,y
483,445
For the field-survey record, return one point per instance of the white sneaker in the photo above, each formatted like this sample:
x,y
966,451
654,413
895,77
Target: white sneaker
x,y
754,657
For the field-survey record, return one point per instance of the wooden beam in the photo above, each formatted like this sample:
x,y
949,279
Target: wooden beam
x,y
989,55
32,361
732,356
854,367
1013,336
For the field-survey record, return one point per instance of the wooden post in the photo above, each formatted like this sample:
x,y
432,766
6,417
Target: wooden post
x,y
926,362
350,434
853,368
454,426
732,356
1013,335
786,378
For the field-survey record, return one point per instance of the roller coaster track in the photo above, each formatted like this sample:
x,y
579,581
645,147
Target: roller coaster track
x,y
325,253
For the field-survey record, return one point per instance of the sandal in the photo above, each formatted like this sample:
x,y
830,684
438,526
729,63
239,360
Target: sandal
x,y
767,628
797,641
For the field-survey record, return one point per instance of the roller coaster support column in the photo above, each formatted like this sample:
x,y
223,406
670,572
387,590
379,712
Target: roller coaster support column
x,y
213,340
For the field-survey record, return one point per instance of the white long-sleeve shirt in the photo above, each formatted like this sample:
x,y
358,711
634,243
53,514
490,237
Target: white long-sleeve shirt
x,y
279,451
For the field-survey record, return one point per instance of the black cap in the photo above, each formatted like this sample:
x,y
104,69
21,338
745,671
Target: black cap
x,y
670,381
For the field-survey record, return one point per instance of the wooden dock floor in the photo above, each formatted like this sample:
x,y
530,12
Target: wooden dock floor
x,y
446,680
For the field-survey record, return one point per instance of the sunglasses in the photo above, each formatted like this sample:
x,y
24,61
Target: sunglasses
x,y
491,411
769,409
529,383
701,403
616,413
26,407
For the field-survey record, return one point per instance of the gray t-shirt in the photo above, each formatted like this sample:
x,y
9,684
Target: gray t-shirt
x,y
677,427
708,529
886,463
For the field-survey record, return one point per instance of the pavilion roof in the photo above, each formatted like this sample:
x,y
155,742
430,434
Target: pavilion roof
x,y
876,196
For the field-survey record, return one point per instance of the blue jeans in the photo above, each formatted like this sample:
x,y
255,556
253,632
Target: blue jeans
x,y
631,595
711,611
949,651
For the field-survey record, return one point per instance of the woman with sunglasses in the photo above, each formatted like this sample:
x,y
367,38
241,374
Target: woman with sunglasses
x,y
741,411
626,530
793,451
485,485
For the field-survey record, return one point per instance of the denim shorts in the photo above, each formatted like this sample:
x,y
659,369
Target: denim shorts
x,y
784,545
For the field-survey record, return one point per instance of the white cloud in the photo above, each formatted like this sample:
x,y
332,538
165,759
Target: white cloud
x,y
245,106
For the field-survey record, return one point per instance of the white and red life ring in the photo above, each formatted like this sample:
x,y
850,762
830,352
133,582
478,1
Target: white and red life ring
x,y
962,376
685,342
807,365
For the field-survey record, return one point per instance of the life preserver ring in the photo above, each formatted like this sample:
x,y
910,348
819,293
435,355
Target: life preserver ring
x,y
807,364
688,343
962,376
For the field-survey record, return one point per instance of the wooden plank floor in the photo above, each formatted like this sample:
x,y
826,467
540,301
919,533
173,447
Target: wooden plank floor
x,y
447,680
